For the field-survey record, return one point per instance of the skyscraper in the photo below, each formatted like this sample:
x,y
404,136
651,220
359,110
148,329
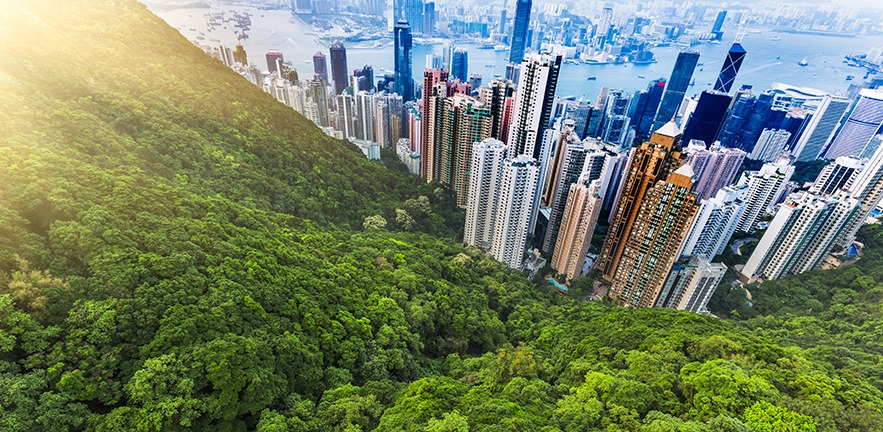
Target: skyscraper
x,y
730,68
533,107
429,19
652,162
404,81
320,67
517,190
764,188
867,188
495,96
691,285
339,68
676,87
319,98
820,128
434,91
615,128
486,171
861,125
714,169
367,72
705,122
519,30
770,145
718,24
803,231
837,175
240,56
460,64
577,225
715,223
645,112
465,121
274,58
651,247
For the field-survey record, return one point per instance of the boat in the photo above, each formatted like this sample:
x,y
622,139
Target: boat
x,y
500,47
591,78
775,38
850,77
641,76
803,62
692,83
485,46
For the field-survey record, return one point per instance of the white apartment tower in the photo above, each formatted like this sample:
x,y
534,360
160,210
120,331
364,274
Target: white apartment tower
x,y
764,188
533,104
837,176
484,187
514,210
578,224
689,286
714,223
867,188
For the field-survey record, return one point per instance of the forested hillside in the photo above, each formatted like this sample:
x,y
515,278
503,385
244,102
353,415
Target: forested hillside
x,y
178,251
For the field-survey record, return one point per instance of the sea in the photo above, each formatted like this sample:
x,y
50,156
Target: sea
x,y
772,56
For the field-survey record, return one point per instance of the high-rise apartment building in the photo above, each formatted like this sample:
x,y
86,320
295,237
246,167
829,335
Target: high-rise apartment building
x,y
320,99
714,224
820,127
770,145
496,95
837,175
867,188
519,30
434,92
577,225
730,68
676,87
465,121
404,81
691,285
339,68
714,168
860,126
460,64
533,105
765,186
320,67
274,60
651,247
515,209
651,162
484,187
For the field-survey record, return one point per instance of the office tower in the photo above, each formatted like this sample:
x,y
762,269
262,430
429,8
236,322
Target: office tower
x,y
517,190
867,188
486,172
435,86
738,114
706,120
649,251
860,126
460,64
804,230
617,177
582,115
346,115
764,189
714,169
465,121
837,175
676,87
533,106
404,82
274,58
572,159
652,161
770,145
577,226
691,285
365,79
645,112
320,67
240,56
475,81
447,48
519,31
872,147
718,24
429,19
433,61
502,27
339,69
318,97
715,223
615,128
730,68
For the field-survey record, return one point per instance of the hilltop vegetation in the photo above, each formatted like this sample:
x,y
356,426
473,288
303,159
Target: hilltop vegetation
x,y
178,251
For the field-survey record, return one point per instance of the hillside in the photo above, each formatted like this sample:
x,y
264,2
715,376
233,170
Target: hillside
x,y
178,251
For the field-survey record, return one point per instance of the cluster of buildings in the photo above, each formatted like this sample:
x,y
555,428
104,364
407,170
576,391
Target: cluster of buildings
x,y
660,172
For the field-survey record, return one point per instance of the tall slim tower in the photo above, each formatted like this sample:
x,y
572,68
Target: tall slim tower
x,y
518,187
460,64
434,91
519,30
764,188
484,187
714,169
465,122
660,226
651,162
820,128
715,223
770,145
861,125
868,189
274,58
676,87
730,68
580,217
533,106
495,96
320,67
404,81
615,128
339,68
647,107
705,122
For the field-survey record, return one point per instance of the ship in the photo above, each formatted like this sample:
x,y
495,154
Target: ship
x,y
485,46
850,77
591,78
775,38
803,62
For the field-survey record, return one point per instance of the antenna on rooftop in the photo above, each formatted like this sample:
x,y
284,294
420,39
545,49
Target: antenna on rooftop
x,y
743,30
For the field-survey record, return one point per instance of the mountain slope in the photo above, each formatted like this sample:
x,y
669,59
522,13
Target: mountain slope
x,y
178,251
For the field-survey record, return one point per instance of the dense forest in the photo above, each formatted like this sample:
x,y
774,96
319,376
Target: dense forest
x,y
179,251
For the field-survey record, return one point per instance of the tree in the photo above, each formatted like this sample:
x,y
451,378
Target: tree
x,y
374,222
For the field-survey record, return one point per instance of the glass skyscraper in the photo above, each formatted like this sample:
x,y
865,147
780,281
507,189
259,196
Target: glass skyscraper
x,y
339,69
730,68
519,30
677,85
404,81
459,65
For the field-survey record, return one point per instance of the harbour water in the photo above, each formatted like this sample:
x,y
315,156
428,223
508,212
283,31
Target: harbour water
x,y
767,60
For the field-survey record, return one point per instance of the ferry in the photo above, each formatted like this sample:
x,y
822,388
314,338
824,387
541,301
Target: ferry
x,y
591,78
775,38
850,77
641,76
803,62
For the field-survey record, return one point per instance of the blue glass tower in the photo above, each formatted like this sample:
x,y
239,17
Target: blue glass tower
x,y
519,30
404,81
708,117
459,65
645,110
730,68
677,85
